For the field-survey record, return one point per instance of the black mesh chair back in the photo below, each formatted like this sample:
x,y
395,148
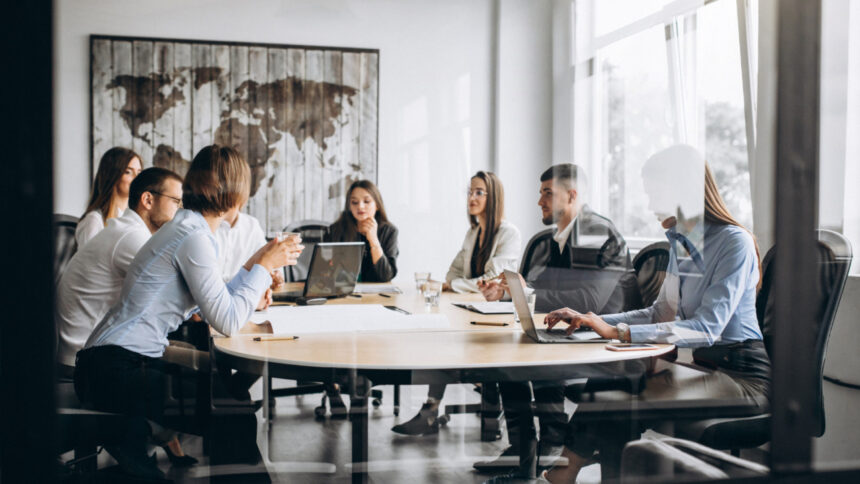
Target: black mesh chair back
x,y
64,243
312,232
650,266
834,262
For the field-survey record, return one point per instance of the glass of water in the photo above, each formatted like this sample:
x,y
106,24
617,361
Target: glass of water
x,y
421,278
432,291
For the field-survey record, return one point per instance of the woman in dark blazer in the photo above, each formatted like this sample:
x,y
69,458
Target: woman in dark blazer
x,y
364,220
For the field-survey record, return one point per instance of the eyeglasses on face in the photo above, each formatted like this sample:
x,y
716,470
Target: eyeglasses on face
x,y
177,200
480,193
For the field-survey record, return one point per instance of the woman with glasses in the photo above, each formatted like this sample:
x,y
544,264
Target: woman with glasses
x,y
492,245
109,197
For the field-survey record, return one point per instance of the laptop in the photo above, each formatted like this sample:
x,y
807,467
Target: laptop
x,y
542,335
333,273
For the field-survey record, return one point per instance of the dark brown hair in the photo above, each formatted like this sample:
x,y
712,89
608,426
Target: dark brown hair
x,y
218,180
112,166
149,180
345,228
494,212
717,213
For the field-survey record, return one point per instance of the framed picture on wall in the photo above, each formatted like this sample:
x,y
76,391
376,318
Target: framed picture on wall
x,y
305,117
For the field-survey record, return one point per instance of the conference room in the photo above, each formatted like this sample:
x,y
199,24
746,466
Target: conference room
x,y
502,241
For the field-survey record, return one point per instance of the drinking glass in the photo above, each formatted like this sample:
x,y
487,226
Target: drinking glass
x,y
531,298
432,290
281,236
420,279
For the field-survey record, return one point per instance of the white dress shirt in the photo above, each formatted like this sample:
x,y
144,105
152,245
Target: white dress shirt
x,y
92,281
176,271
561,236
88,227
238,243
504,255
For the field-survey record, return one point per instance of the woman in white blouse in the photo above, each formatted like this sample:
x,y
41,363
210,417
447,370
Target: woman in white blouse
x,y
492,245
176,273
109,198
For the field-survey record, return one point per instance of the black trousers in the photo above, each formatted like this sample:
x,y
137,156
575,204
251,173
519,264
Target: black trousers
x,y
519,414
114,379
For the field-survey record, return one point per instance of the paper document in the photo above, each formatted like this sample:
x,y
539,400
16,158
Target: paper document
x,y
493,307
340,318
376,288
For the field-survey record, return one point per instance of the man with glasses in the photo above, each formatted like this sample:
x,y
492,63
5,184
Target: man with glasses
x,y
93,279
578,263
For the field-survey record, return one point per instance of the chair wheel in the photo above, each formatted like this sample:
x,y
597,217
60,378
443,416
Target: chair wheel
x,y
319,412
443,419
376,402
397,411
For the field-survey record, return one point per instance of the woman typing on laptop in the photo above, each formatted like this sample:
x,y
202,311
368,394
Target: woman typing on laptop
x,y
707,300
175,272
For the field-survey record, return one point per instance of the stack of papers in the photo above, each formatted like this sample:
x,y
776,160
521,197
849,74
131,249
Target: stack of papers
x,y
495,307
376,289
341,318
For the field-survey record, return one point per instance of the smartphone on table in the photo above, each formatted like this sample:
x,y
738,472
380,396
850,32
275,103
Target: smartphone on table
x,y
629,347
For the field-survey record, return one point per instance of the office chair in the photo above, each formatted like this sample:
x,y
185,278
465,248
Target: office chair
x,y
64,243
312,232
834,261
650,267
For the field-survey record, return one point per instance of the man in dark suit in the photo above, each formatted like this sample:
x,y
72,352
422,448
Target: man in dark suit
x,y
577,263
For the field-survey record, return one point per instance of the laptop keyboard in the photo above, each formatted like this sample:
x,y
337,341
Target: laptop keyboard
x,y
555,333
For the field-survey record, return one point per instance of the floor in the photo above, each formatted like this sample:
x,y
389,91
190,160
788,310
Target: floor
x,y
305,450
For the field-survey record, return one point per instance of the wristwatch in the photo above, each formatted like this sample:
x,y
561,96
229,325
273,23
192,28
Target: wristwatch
x,y
623,332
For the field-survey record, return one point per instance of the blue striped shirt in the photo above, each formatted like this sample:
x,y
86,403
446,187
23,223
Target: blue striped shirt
x,y
173,274
717,294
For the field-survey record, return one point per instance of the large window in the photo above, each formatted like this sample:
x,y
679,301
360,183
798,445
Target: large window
x,y
655,73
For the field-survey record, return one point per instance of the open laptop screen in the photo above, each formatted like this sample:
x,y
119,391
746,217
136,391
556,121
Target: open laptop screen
x,y
334,269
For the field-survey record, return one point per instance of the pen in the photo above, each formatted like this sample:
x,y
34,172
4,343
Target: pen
x,y
384,295
275,338
489,323
355,295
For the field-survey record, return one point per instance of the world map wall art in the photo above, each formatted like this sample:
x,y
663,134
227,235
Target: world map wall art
x,y
305,118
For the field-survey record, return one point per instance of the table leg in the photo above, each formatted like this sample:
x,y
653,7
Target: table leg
x,y
491,413
359,393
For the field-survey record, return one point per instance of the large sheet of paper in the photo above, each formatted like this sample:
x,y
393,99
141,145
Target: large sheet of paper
x,y
293,320
376,288
489,307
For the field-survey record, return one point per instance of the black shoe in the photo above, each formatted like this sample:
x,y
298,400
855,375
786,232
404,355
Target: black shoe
x,y
507,461
179,460
424,423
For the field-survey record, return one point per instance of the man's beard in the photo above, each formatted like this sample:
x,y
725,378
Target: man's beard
x,y
553,218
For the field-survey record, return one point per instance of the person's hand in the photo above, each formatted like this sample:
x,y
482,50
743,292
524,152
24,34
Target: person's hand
x,y
575,320
367,228
275,254
493,290
596,323
564,315
277,278
446,287
265,301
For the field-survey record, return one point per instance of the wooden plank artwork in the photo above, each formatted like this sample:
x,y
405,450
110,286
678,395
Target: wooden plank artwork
x,y
305,118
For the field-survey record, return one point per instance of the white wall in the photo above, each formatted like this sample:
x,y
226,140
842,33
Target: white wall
x,y
525,135
436,74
